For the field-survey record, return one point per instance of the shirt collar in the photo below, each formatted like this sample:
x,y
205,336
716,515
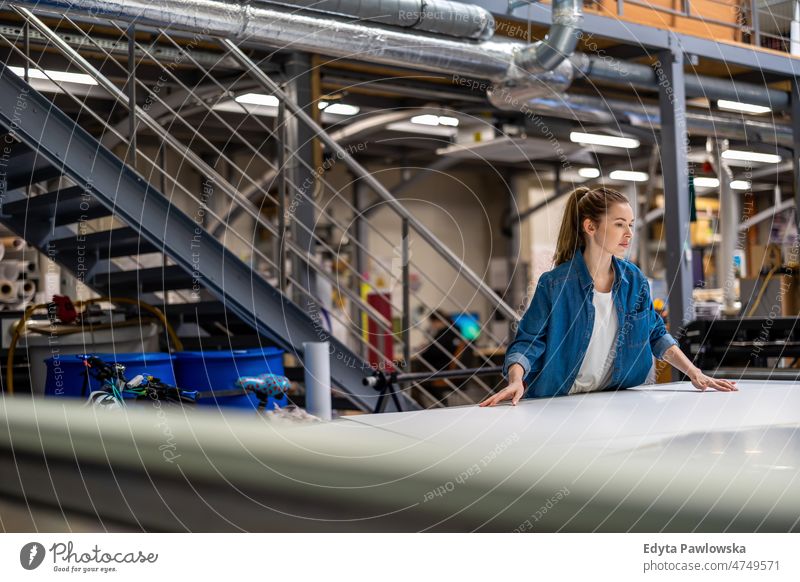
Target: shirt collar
x,y
585,277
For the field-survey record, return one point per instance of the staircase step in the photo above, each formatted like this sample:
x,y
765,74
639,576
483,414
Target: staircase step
x,y
28,168
65,206
128,283
119,242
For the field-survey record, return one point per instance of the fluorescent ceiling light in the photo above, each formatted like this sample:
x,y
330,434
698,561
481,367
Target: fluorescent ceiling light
x,y
589,173
743,107
628,176
740,185
751,156
258,99
430,119
425,119
341,109
422,129
49,75
704,182
606,140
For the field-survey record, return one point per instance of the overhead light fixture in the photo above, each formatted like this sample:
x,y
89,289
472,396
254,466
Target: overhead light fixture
x,y
743,107
628,176
740,185
341,109
751,156
606,140
49,75
425,119
589,173
430,119
706,182
258,99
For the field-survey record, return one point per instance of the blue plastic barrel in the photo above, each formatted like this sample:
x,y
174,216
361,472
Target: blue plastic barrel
x,y
217,371
67,375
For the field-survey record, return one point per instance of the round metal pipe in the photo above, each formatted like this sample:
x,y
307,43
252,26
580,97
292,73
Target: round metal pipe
x,y
444,17
560,42
644,77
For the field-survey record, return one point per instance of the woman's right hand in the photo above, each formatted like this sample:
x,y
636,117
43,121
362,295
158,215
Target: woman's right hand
x,y
514,391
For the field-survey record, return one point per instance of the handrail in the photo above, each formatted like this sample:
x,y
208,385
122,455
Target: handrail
x,y
376,186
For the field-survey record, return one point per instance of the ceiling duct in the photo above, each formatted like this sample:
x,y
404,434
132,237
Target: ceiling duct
x,y
443,17
518,69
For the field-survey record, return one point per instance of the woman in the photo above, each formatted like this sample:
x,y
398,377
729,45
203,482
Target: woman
x,y
592,325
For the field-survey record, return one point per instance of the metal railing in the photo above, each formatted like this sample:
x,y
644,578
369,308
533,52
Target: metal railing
x,y
762,23
119,81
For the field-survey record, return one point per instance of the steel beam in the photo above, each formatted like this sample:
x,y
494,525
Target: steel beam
x,y
675,170
796,149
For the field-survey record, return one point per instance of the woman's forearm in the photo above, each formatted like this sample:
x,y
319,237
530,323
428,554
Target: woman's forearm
x,y
515,373
676,358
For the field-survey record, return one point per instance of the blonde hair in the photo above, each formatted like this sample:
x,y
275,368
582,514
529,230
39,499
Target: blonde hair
x,y
582,203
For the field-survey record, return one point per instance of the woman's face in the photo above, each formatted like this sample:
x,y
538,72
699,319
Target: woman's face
x,y
614,231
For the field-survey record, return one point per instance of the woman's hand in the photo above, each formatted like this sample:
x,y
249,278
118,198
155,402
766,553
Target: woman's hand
x,y
514,391
701,382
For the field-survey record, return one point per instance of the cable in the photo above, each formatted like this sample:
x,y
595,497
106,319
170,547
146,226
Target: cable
x,y
19,329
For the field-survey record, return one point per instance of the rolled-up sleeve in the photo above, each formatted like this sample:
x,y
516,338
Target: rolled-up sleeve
x,y
529,343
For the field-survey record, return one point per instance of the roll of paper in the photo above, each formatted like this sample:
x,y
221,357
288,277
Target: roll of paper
x,y
8,291
26,290
14,243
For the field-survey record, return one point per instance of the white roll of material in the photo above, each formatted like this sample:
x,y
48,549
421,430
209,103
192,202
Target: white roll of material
x,y
26,290
13,243
317,363
11,270
8,291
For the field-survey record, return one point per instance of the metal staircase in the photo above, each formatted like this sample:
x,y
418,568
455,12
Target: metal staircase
x,y
70,152
117,226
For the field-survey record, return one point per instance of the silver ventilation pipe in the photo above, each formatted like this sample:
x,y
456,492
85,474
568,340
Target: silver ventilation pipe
x,y
443,17
255,25
550,56
644,77
560,42
489,59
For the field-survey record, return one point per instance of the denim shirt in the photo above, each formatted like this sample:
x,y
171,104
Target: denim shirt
x,y
554,333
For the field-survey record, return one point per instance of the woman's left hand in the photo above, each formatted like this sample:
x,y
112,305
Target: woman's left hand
x,y
701,382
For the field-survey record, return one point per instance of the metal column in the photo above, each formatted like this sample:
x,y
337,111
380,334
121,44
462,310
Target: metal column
x,y
299,141
729,218
796,146
675,171
518,198
360,234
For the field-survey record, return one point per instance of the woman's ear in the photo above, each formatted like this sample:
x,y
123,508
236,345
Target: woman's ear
x,y
588,226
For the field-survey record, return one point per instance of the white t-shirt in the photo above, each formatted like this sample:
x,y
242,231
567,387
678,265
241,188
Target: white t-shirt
x,y
595,372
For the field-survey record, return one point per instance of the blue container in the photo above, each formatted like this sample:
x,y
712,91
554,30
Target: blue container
x,y
67,375
217,371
